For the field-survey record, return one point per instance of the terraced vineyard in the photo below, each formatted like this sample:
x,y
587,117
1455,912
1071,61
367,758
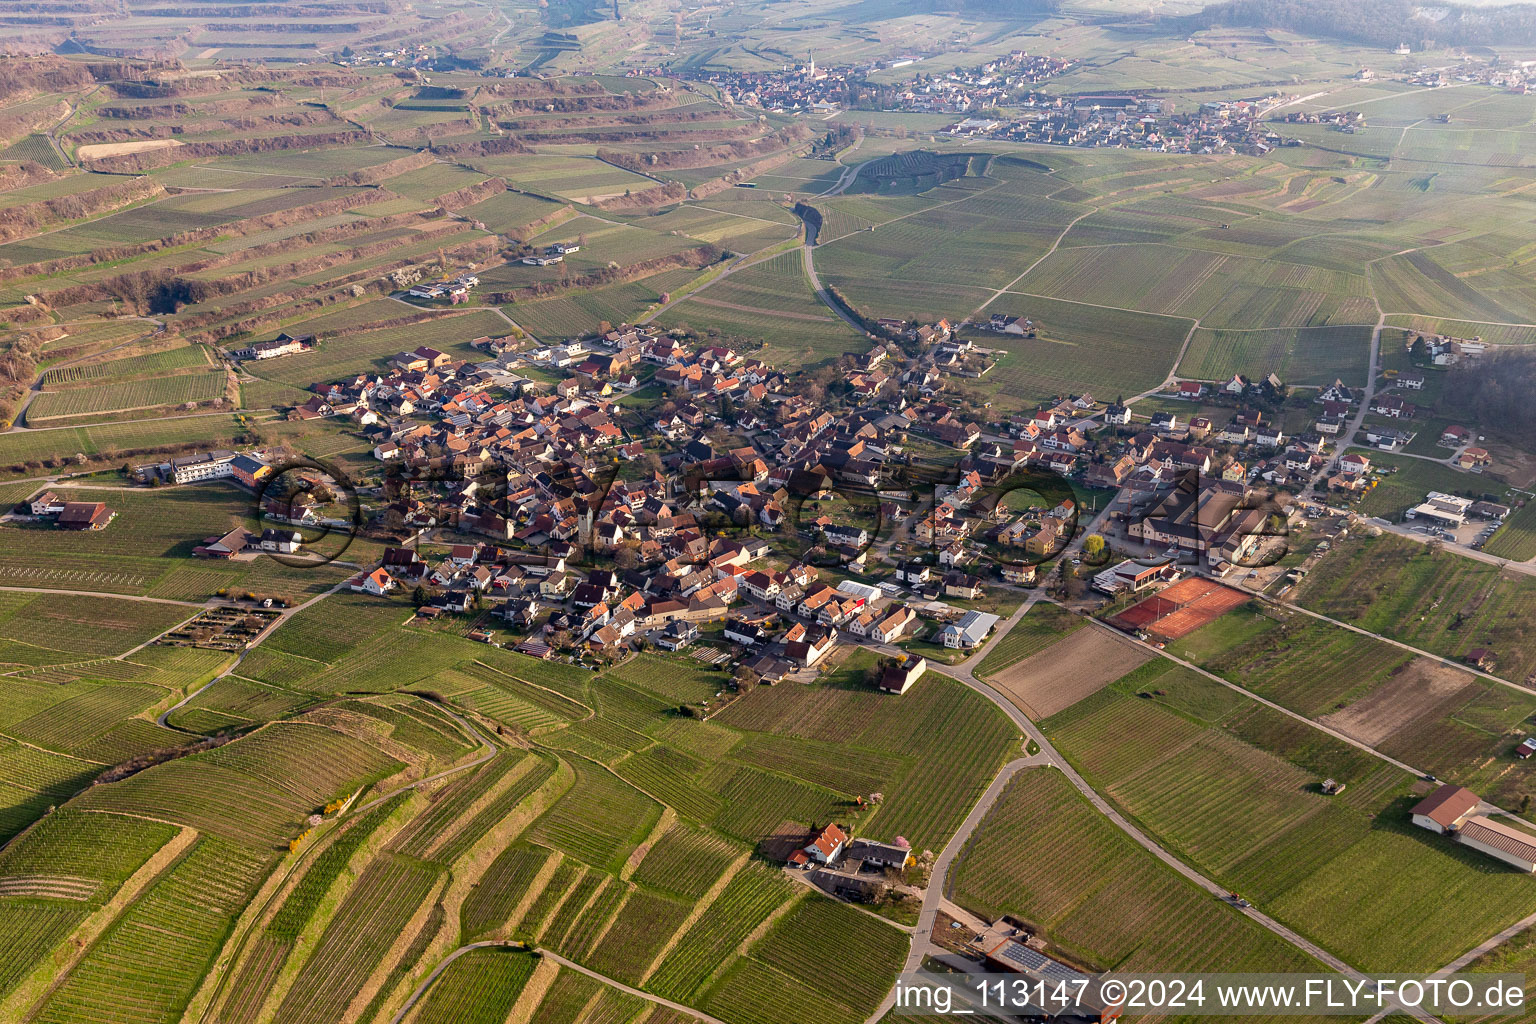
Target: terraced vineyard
x,y
370,817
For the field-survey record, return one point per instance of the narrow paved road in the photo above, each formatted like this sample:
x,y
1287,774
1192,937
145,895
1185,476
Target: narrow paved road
x,y
822,293
1347,436
1027,270
1525,568
1287,712
964,672
938,878
115,597
1450,662
849,173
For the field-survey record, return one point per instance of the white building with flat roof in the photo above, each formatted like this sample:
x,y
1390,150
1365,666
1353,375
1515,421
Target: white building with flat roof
x,y
1441,509
203,466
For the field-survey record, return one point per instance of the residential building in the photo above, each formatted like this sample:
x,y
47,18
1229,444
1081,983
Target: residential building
x,y
214,465
969,631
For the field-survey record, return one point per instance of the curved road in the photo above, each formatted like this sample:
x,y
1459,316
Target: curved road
x,y
964,672
282,617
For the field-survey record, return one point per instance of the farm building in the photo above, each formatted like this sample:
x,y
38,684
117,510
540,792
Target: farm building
x,y
1500,841
227,546
1480,658
1445,809
828,845
880,855
282,345
898,677
47,504
84,515
284,542
1526,748
1039,969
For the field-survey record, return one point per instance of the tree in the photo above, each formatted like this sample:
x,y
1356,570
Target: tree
x,y
1093,546
419,596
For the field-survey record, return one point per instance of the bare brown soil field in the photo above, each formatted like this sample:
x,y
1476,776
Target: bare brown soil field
x,y
1067,671
102,149
1423,690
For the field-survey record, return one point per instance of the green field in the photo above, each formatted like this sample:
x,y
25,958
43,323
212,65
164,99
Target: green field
x,y
127,366
1516,539
1299,356
106,398
1099,912
1237,798
1438,601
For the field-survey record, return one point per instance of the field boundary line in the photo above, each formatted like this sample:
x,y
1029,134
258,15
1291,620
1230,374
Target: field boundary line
x,y
1448,662
1298,716
235,944
700,906
779,313
421,989
89,931
537,686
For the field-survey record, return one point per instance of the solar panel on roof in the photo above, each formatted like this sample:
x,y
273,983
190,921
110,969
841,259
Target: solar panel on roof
x,y
1032,960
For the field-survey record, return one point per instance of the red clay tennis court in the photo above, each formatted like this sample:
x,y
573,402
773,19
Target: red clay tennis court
x,y
1180,609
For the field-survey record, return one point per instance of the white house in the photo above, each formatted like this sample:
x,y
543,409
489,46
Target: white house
x,y
212,465
378,583
970,630
1445,809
